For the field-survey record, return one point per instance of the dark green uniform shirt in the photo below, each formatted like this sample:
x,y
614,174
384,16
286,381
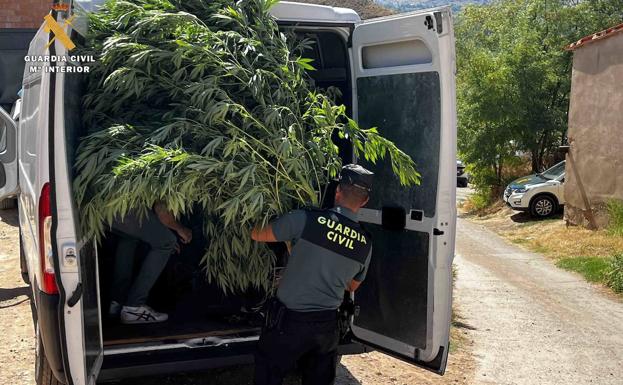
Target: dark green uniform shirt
x,y
315,277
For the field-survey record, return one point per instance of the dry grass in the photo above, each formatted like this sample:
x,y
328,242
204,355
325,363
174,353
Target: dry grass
x,y
589,253
559,241
551,237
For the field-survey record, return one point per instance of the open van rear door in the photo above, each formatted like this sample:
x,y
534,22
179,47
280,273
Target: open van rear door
x,y
77,264
403,69
8,155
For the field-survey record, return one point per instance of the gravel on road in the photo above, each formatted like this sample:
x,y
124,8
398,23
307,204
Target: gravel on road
x,y
532,322
17,335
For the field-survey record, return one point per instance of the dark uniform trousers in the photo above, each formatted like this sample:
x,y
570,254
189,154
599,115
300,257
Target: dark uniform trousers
x,y
309,338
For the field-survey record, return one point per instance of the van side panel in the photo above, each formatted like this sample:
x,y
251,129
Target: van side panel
x,y
33,169
33,155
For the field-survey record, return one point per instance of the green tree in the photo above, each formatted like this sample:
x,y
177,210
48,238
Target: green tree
x,y
514,77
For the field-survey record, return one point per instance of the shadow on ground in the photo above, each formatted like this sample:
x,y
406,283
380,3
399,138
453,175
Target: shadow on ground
x,y
12,293
237,375
525,217
13,296
9,217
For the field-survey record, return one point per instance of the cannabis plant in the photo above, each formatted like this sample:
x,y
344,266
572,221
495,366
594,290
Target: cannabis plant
x,y
207,105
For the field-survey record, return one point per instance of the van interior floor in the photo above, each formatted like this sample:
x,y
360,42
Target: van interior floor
x,y
196,308
200,312
120,334
183,324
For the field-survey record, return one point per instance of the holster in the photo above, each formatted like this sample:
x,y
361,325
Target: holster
x,y
275,314
348,308
346,311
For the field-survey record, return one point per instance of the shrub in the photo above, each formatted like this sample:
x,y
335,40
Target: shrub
x,y
480,200
594,269
614,276
615,212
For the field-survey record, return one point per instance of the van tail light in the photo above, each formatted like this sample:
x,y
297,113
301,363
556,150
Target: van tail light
x,y
48,280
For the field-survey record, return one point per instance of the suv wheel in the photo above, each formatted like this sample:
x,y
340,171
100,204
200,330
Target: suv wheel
x,y
43,372
542,206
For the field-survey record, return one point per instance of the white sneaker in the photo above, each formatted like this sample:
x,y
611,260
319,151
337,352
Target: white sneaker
x,y
141,315
114,309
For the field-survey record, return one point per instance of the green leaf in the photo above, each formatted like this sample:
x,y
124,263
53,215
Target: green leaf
x,y
304,63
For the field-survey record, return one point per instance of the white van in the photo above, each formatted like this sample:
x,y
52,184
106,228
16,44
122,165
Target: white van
x,y
396,73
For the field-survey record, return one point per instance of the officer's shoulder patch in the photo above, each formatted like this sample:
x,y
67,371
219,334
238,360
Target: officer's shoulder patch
x,y
337,233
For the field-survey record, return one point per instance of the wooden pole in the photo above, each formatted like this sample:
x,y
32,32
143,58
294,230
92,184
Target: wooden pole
x,y
588,213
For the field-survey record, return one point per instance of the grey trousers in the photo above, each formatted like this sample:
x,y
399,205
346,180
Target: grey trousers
x,y
162,243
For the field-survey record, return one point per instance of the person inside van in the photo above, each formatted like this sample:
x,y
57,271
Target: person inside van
x,y
129,296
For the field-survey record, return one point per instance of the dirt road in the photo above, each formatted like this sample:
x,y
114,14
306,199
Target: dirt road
x,y
462,193
17,342
532,322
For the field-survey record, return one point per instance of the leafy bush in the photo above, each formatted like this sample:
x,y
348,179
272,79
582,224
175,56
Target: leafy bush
x,y
614,276
207,107
615,214
483,176
479,200
594,269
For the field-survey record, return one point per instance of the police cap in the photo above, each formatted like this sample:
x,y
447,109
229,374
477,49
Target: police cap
x,y
357,176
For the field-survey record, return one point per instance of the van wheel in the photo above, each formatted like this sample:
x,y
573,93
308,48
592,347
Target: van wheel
x,y
542,206
43,372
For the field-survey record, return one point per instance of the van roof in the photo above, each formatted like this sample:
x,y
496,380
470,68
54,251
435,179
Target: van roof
x,y
284,10
290,11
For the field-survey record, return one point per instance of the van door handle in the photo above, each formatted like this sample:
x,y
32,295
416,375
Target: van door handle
x,y
437,232
75,296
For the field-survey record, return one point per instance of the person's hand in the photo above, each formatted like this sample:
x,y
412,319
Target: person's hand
x,y
186,234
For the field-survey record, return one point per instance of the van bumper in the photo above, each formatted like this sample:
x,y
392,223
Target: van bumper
x,y
49,330
130,365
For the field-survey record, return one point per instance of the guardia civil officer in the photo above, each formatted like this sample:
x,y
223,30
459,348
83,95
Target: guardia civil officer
x,y
330,253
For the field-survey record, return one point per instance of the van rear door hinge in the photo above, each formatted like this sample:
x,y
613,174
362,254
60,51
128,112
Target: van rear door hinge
x,y
439,22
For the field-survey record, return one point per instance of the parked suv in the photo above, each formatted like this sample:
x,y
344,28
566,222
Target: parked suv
x,y
388,69
541,194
